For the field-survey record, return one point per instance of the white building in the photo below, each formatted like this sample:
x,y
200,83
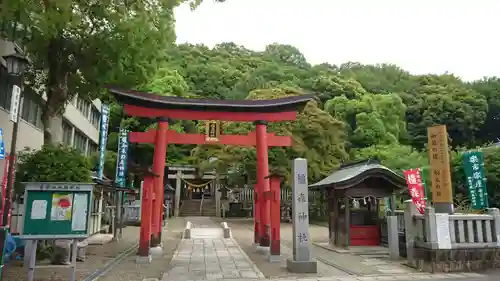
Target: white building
x,y
78,127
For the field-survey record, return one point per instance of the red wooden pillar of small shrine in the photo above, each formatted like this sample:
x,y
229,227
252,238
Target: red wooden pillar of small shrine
x,y
275,184
159,169
146,208
256,215
263,182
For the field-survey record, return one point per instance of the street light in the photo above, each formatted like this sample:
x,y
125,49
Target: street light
x,y
16,64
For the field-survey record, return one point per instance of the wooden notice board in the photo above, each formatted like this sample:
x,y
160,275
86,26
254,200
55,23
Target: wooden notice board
x,y
439,159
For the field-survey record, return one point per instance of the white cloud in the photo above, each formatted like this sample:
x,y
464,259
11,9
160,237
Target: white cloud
x,y
458,36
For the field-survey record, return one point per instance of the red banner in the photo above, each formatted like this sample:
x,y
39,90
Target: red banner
x,y
416,188
8,162
4,186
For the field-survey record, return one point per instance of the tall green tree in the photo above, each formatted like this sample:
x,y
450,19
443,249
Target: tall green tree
x,y
77,46
489,88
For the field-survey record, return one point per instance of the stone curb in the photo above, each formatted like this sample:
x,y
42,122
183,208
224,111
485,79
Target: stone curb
x,y
408,277
187,230
249,260
226,229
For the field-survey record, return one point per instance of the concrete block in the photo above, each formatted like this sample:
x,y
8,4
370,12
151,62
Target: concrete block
x,y
143,260
274,258
261,250
156,251
187,231
226,229
393,237
302,266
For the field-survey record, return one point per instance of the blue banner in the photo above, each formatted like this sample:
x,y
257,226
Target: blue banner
x,y
121,159
103,139
2,145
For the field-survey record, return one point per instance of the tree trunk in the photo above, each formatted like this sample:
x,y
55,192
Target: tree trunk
x,y
56,85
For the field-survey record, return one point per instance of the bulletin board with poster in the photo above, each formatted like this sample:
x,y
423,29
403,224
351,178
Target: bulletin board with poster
x,y
56,210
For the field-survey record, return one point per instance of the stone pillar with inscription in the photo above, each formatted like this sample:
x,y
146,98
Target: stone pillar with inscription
x,y
301,262
439,160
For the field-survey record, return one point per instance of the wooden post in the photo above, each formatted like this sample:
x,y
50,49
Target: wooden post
x,y
275,183
159,169
146,208
263,182
256,214
347,221
439,159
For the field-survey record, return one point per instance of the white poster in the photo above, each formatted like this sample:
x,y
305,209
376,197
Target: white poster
x,y
80,210
39,209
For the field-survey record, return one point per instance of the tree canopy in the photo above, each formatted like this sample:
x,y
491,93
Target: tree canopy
x,y
359,111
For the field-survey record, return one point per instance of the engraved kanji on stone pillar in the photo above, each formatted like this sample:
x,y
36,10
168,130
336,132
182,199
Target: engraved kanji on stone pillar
x,y
301,262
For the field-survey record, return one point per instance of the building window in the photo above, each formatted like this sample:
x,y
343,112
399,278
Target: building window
x,y
80,142
31,112
5,90
92,148
83,106
95,117
67,133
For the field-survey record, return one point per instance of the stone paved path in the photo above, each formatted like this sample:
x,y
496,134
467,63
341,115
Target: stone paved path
x,y
208,256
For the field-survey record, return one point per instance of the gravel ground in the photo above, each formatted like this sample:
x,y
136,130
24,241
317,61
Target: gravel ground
x,y
97,256
345,264
100,255
242,233
128,270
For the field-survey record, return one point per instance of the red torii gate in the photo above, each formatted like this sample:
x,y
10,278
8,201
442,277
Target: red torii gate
x,y
260,112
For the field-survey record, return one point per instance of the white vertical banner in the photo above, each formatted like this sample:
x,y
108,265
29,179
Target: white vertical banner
x,y
14,103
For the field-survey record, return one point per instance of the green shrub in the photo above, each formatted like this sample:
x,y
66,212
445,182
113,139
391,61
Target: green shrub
x,y
52,164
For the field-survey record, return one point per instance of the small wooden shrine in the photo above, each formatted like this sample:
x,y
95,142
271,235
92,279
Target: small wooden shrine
x,y
354,192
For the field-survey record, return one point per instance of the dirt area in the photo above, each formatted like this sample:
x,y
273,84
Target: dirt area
x,y
100,255
330,263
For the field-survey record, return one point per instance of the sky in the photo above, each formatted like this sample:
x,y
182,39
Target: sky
x,y
422,36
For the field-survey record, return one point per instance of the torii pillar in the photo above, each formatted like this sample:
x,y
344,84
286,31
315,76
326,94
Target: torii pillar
x,y
263,189
159,157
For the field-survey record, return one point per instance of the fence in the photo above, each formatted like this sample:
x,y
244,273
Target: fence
x,y
461,230
457,242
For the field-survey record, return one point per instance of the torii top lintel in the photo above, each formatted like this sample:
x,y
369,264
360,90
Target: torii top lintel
x,y
150,105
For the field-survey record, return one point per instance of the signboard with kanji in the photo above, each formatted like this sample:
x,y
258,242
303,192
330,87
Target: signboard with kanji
x,y
14,103
439,159
476,182
121,159
56,210
212,131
